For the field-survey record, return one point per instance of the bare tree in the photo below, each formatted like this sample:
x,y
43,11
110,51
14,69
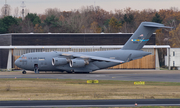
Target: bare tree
x,y
56,12
16,12
6,10
75,22
26,11
26,26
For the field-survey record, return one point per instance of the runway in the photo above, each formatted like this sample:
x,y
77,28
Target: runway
x,y
92,103
125,75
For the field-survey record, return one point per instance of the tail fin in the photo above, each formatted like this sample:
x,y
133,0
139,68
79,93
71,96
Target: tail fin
x,y
142,35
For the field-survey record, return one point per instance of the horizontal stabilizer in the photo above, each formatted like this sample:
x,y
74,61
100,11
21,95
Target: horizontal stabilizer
x,y
157,26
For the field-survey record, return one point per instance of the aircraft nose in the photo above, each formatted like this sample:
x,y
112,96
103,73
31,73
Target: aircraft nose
x,y
17,62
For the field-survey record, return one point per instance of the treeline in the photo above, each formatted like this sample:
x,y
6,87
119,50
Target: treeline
x,y
92,19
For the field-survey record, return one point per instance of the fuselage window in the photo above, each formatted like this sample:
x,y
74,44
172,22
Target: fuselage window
x,y
35,58
21,56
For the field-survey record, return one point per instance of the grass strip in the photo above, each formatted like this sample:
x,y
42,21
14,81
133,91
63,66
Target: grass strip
x,y
72,89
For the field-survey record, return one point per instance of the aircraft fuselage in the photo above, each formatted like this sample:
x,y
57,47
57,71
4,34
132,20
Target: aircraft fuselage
x,y
44,60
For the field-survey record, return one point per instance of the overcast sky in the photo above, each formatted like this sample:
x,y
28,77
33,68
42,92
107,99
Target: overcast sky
x,y
39,6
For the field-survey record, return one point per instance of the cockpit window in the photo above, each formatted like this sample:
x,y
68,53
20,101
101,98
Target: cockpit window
x,y
23,57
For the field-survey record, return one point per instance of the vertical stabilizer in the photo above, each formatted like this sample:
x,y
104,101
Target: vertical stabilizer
x,y
142,35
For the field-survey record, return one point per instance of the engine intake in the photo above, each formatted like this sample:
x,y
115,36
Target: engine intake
x,y
59,61
78,63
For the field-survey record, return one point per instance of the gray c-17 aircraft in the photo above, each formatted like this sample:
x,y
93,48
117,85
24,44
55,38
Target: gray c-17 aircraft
x,y
86,62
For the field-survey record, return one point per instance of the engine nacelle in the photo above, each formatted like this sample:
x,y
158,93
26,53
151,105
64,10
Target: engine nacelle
x,y
59,61
78,63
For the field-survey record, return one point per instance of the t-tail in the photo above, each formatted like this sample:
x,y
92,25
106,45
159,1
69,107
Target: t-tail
x,y
142,35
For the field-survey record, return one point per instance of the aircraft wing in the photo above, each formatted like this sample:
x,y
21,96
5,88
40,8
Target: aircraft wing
x,y
92,57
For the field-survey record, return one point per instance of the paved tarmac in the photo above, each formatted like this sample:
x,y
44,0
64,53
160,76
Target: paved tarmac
x,y
92,103
125,75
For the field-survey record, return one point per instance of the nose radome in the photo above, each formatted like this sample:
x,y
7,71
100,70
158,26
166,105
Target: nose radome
x,y
17,62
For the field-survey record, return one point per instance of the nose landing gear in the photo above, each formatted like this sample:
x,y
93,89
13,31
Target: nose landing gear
x,y
23,72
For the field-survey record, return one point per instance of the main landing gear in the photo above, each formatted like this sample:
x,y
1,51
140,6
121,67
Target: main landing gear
x,y
23,72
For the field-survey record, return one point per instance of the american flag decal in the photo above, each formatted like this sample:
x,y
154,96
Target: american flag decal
x,y
141,35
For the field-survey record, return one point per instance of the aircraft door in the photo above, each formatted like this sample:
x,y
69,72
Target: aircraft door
x,y
36,63
36,68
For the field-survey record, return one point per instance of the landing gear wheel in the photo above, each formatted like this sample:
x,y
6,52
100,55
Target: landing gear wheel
x,y
24,72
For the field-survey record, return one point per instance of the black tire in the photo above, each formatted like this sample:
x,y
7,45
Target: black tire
x,y
23,72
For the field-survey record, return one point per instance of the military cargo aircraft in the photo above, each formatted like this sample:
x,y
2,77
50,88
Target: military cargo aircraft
x,y
86,62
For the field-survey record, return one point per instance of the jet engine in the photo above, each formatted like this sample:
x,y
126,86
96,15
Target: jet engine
x,y
59,61
78,63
